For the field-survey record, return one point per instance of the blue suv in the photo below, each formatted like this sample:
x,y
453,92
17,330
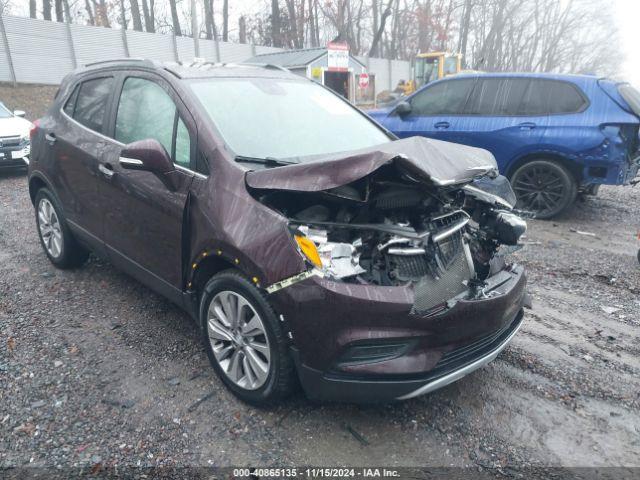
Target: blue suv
x,y
552,135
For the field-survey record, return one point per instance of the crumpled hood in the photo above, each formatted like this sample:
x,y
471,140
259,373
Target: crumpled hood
x,y
442,163
14,127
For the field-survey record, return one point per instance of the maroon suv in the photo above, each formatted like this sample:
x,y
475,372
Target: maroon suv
x,y
309,243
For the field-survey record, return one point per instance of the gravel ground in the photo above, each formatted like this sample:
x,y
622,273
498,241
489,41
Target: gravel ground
x,y
98,371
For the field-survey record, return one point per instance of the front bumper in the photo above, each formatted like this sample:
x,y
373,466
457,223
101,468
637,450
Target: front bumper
x,y
328,319
14,157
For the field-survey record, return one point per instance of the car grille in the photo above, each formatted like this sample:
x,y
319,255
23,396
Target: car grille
x,y
449,270
433,290
9,142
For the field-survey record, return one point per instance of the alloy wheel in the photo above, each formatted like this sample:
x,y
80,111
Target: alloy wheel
x,y
50,229
540,188
239,340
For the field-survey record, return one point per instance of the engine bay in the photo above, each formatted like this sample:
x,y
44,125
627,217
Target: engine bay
x,y
389,228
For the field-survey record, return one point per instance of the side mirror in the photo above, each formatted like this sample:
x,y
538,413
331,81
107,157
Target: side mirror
x,y
403,108
150,156
19,113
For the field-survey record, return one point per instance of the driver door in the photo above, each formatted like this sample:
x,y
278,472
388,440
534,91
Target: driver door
x,y
435,110
143,218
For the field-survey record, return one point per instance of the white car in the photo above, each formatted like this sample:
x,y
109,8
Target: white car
x,y
15,146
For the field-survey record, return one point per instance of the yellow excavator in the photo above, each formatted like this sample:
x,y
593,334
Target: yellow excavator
x,y
428,67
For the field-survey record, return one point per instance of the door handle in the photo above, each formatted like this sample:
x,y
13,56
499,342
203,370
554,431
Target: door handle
x,y
442,125
106,169
527,126
50,137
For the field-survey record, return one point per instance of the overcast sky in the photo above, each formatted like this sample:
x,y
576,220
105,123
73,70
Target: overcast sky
x,y
628,15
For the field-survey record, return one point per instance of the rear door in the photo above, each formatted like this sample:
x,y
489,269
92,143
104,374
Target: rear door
x,y
77,139
143,218
435,110
504,115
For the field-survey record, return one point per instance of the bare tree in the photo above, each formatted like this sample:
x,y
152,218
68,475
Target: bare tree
x,y
225,20
46,9
209,20
175,19
32,8
373,51
276,37
148,10
135,15
90,14
242,29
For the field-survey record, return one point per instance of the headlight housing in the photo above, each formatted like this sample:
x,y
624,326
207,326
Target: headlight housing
x,y
336,260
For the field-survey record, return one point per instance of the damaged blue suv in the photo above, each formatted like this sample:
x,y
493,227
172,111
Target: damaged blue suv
x,y
554,136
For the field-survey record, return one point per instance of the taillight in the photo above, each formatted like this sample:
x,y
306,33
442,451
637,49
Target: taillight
x,y
32,132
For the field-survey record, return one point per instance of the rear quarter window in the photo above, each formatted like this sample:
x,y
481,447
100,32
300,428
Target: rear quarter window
x,y
549,97
631,96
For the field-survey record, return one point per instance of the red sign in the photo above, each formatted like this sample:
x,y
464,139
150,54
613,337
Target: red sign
x,y
363,80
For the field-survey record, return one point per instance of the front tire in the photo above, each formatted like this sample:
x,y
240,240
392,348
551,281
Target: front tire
x,y
544,187
56,239
244,340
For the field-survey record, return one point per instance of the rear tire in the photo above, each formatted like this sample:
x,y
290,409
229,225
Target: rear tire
x,y
544,187
244,340
56,239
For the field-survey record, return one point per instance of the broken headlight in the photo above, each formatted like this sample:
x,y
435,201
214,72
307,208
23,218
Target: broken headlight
x,y
335,260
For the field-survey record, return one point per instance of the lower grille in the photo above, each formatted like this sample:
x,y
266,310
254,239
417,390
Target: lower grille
x,y
466,354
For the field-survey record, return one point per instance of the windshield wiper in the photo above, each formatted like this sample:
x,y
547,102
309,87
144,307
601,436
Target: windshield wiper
x,y
268,161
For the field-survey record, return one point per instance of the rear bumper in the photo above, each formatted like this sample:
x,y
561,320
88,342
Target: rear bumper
x,y
329,387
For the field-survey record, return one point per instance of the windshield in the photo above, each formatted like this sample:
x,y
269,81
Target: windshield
x,y
279,118
426,70
4,113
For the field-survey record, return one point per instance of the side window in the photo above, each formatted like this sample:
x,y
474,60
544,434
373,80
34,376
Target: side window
x,y
145,111
444,98
544,97
497,96
70,106
91,103
564,98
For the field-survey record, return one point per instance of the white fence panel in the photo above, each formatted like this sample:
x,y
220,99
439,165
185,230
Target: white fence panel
x,y
39,50
380,67
5,69
151,45
94,44
400,70
208,50
234,52
186,49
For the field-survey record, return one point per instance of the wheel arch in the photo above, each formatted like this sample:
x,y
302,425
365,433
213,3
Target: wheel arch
x,y
37,182
572,166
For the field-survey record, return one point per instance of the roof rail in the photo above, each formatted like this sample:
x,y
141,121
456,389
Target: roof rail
x,y
270,66
120,60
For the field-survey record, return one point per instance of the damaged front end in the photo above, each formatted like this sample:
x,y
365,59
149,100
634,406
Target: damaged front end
x,y
406,287
394,228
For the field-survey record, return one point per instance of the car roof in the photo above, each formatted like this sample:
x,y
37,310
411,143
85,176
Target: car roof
x,y
191,70
570,77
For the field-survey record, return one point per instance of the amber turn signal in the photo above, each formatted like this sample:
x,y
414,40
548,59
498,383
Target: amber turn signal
x,y
308,248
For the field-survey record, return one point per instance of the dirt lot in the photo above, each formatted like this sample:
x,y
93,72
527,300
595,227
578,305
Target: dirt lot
x,y
97,369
